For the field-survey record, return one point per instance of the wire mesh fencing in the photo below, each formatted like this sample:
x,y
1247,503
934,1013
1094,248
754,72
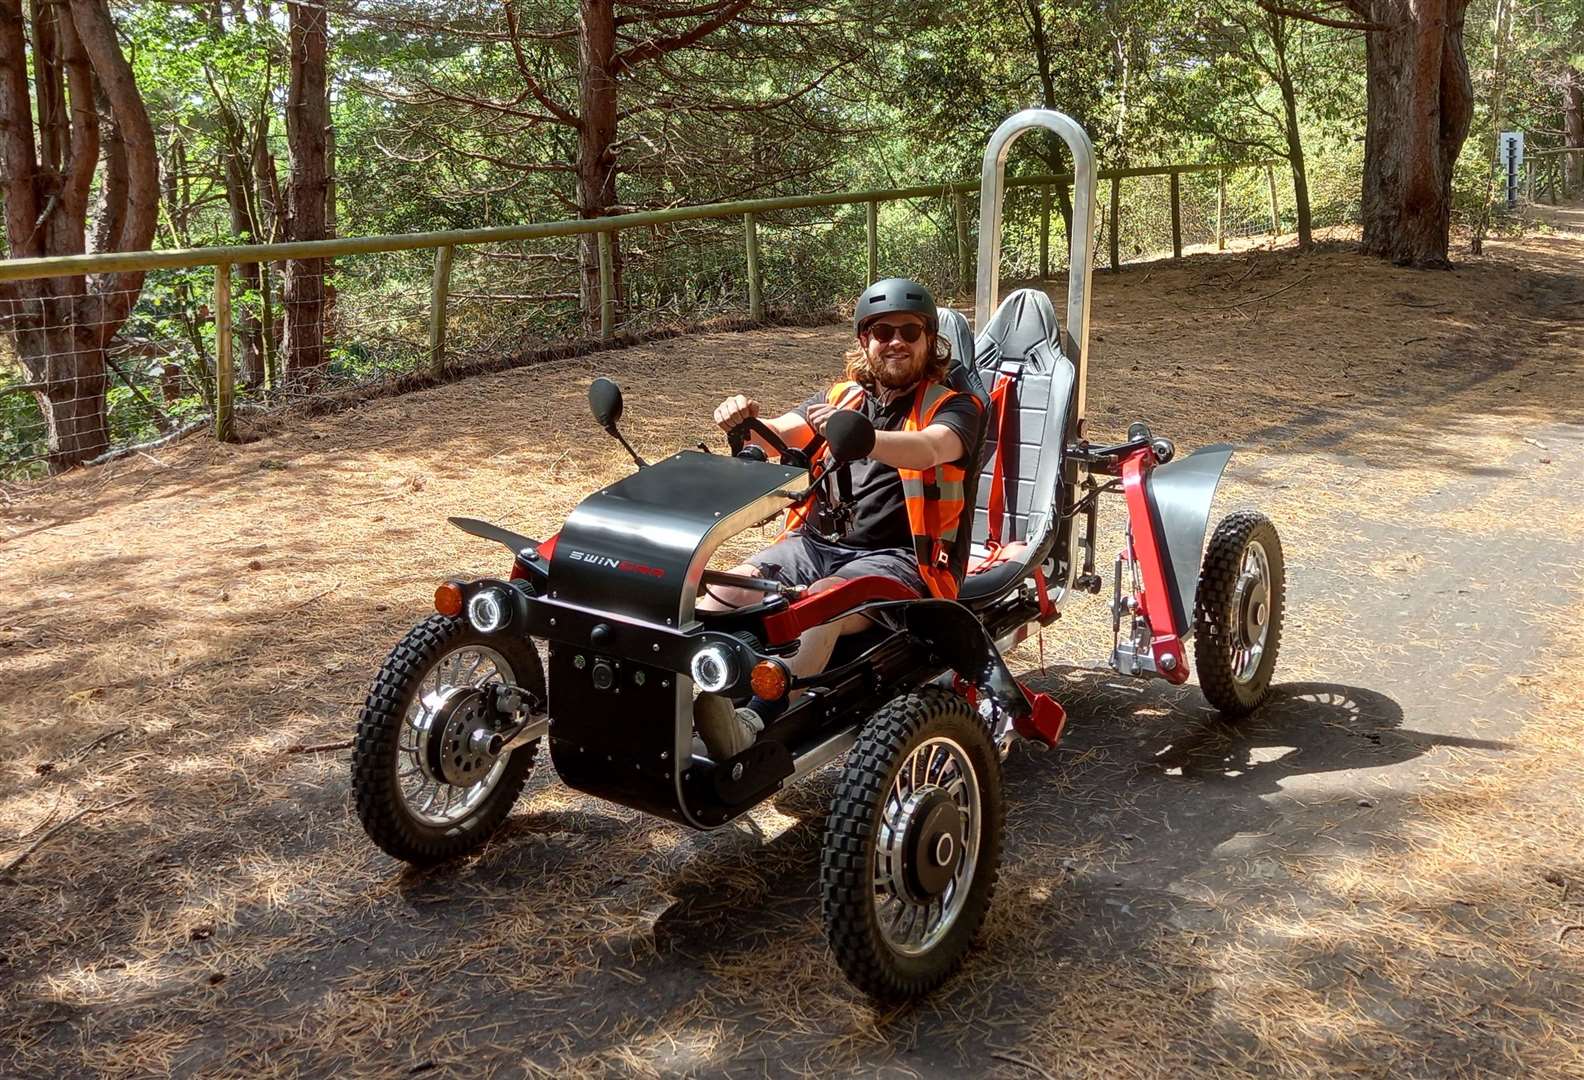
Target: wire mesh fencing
x,y
284,333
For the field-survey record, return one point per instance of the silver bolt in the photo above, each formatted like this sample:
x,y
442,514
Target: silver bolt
x,y
737,771
1168,663
656,646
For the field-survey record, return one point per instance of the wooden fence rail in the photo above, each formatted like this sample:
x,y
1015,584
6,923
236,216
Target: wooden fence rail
x,y
1548,172
444,244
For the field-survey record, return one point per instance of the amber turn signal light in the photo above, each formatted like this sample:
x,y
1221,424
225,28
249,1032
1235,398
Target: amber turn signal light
x,y
769,680
448,599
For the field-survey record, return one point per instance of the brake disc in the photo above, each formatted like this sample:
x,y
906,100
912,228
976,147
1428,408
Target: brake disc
x,y
460,742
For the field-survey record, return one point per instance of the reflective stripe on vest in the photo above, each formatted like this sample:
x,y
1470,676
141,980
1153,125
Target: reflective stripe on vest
x,y
934,499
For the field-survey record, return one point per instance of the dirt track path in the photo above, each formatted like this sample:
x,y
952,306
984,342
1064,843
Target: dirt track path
x,y
1378,874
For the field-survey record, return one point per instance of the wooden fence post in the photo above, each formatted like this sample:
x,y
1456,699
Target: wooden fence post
x,y
1116,219
1044,231
873,223
1270,179
1220,209
439,297
755,287
1176,211
959,204
224,372
607,287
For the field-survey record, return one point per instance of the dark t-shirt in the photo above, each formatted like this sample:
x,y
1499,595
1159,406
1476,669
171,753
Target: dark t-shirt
x,y
879,507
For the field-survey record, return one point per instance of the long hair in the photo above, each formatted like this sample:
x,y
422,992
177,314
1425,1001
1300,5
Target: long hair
x,y
937,362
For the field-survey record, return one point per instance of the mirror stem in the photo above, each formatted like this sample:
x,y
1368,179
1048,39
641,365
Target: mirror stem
x,y
617,435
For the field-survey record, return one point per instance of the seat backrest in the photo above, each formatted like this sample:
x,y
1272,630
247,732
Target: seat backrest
x,y
1020,346
963,375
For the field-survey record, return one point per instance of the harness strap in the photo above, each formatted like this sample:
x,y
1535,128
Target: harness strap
x,y
995,507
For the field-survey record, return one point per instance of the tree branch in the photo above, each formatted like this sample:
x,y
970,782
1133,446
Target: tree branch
x,y
655,47
557,110
1322,20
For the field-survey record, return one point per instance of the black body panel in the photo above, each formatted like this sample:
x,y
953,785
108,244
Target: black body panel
x,y
618,743
628,549
619,616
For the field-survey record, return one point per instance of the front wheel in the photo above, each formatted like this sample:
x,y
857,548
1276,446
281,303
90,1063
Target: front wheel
x,y
913,845
426,785
1238,613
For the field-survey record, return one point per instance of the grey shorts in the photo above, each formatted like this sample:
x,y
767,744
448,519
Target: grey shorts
x,y
801,559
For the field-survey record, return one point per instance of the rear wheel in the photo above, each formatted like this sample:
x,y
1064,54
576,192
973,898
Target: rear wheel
x,y
1238,613
426,784
913,844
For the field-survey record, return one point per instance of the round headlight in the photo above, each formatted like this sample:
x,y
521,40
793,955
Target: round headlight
x,y
487,611
714,668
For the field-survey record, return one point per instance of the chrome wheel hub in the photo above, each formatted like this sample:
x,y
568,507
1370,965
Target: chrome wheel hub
x,y
459,736
1251,612
449,759
926,847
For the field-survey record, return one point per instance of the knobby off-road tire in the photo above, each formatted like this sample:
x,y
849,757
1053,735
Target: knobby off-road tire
x,y
378,760
863,815
1235,657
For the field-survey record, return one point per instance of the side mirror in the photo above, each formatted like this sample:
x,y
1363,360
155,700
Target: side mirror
x,y
605,401
850,434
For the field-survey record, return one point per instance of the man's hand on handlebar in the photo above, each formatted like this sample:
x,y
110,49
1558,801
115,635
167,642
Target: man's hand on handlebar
x,y
735,410
819,415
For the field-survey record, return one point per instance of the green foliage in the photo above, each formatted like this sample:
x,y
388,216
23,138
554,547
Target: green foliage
x,y
436,127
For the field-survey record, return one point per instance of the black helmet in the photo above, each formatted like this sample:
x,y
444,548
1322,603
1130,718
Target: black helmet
x,y
896,294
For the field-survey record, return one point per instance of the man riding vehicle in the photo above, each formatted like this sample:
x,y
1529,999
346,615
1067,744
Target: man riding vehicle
x,y
907,518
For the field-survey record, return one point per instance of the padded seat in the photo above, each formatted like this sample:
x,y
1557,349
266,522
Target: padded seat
x,y
1019,357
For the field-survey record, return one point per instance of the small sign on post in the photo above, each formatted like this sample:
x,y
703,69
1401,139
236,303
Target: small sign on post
x,y
1510,145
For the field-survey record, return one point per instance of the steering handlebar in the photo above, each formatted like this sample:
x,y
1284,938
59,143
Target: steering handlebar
x,y
737,437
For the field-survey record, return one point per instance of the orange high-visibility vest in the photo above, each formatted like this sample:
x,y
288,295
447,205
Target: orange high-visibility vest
x,y
934,497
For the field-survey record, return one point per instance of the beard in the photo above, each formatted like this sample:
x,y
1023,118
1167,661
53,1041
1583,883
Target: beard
x,y
897,374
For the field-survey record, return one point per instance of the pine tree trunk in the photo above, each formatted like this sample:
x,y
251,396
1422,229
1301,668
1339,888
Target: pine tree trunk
x,y
307,118
62,326
1573,122
596,164
1420,105
1300,171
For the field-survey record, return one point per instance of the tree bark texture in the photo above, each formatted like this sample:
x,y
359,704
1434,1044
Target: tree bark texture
x,y
62,326
596,163
1573,123
1420,106
1276,26
307,118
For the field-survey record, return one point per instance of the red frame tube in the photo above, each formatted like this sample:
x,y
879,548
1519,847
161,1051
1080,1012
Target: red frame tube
x,y
1154,601
823,606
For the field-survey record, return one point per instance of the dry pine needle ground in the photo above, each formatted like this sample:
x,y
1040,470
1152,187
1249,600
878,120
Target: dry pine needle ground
x,y
1377,876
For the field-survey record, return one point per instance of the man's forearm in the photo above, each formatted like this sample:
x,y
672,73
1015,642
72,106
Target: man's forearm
x,y
916,449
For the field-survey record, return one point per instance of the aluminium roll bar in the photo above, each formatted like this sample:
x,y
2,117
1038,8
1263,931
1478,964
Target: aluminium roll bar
x,y
1080,268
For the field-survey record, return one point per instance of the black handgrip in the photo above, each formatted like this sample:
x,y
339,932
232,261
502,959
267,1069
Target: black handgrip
x,y
737,437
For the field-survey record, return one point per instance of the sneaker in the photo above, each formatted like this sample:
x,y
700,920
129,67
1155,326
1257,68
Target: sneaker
x,y
727,732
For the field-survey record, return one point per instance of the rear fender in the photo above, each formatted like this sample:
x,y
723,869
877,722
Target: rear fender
x,y
1180,494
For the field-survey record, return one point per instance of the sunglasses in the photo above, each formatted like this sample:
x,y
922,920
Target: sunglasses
x,y
884,332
